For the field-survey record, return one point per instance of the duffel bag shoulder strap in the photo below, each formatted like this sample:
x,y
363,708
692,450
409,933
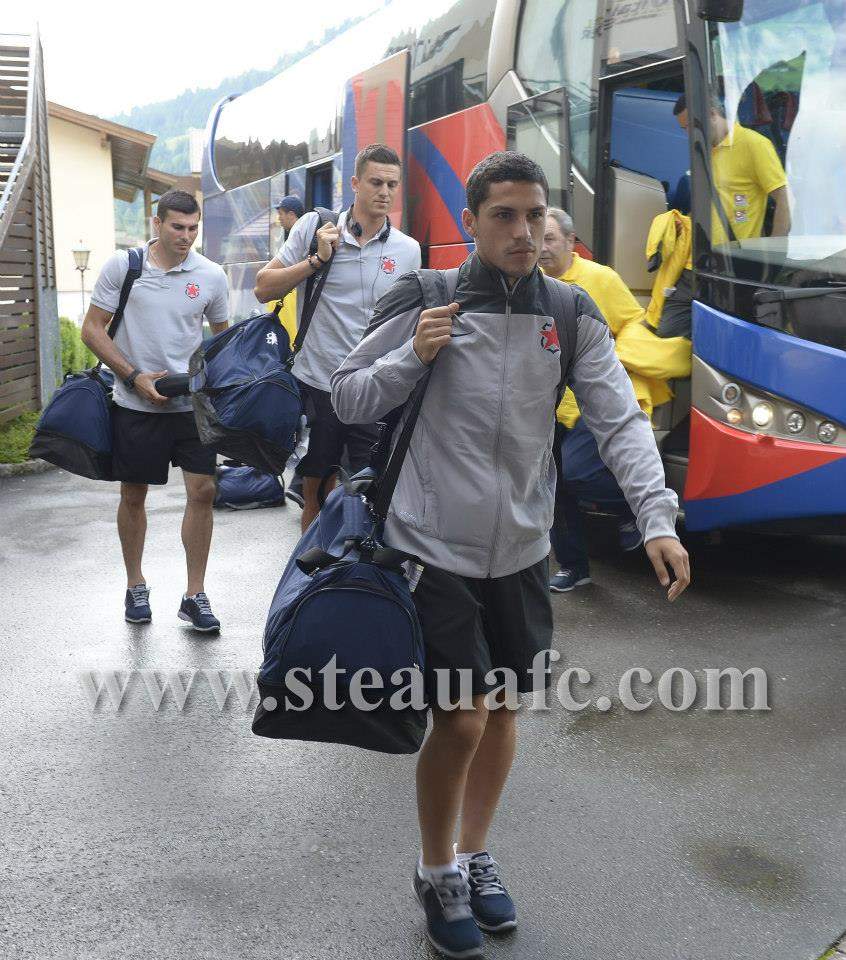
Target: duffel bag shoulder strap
x,y
316,282
438,288
567,326
135,267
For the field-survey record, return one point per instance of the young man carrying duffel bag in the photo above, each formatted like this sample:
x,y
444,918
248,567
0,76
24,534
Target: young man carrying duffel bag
x,y
162,326
474,503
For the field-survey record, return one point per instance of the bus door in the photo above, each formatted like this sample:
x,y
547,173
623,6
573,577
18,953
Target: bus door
x,y
643,171
539,128
374,111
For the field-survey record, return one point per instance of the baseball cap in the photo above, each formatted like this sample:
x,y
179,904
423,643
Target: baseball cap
x,y
290,203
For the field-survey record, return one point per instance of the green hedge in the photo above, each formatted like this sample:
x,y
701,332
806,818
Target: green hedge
x,y
16,436
75,355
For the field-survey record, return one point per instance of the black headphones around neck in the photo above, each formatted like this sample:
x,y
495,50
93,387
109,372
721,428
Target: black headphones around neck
x,y
356,229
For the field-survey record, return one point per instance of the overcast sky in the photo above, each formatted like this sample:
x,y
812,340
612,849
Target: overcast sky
x,y
98,60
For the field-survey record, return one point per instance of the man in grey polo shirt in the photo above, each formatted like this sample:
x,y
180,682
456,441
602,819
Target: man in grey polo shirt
x,y
369,254
162,326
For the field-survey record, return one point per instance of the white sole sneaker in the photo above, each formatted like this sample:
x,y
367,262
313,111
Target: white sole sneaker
x,y
187,619
578,583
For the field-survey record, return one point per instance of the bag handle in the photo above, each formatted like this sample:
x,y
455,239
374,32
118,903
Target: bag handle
x,y
438,288
316,282
136,266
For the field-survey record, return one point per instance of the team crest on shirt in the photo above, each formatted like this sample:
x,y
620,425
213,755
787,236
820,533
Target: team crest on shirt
x,y
549,337
389,264
192,290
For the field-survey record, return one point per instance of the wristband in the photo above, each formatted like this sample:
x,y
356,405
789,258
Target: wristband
x,y
324,262
129,382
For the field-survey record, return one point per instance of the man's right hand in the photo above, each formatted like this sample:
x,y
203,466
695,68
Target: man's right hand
x,y
433,331
145,387
327,240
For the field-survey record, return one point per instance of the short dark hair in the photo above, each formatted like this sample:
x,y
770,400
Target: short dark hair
x,y
178,200
498,168
376,153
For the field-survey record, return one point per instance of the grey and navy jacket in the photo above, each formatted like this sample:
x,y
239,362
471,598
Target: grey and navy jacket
x,y
475,495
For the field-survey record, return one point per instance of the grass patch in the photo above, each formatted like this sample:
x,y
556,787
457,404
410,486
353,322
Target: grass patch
x,y
16,436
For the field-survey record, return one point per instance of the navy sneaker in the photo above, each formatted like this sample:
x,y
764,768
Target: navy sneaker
x,y
197,611
493,909
569,578
630,536
450,926
137,604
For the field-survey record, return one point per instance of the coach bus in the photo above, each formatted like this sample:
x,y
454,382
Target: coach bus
x,y
590,88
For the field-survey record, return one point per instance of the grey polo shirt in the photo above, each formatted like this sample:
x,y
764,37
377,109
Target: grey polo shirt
x,y
163,321
358,278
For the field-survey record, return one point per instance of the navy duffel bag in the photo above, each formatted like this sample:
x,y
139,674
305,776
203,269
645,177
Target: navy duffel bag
x,y
246,401
245,488
75,430
342,595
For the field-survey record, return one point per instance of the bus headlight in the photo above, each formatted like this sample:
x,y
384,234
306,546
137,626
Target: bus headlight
x,y
827,432
734,416
795,421
731,393
762,415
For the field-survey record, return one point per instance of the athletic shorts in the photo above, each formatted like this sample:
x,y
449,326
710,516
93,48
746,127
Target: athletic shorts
x,y
328,437
480,625
145,444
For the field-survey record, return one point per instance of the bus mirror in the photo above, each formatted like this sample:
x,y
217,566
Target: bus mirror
x,y
722,11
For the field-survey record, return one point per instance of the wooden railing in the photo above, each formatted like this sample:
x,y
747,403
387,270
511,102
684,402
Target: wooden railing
x,y
27,264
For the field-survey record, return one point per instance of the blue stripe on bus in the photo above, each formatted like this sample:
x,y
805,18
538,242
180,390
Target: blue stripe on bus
x,y
814,493
442,176
808,373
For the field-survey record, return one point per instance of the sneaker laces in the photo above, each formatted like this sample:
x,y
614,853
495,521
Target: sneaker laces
x,y
484,875
454,895
202,602
140,594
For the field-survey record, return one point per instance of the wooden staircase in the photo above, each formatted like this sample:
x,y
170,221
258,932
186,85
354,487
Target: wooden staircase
x,y
28,315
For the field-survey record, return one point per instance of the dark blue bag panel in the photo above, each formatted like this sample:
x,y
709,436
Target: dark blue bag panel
x,y
354,609
75,430
245,488
247,403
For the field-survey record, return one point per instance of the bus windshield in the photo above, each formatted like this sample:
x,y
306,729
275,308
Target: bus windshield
x,y
777,128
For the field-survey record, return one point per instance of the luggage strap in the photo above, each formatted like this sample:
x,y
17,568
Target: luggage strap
x,y
136,266
438,288
315,283
566,325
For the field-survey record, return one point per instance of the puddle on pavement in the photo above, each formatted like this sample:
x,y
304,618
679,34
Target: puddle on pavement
x,y
752,871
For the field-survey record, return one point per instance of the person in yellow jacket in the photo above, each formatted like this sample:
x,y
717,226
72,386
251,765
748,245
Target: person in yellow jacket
x,y
581,473
747,171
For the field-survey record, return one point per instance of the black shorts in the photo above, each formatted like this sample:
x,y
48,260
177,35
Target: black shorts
x,y
484,624
328,437
144,444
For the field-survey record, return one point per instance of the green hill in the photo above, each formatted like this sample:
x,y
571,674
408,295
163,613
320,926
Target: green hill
x,y
170,121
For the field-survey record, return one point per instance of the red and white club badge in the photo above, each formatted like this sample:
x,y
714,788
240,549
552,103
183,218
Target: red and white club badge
x,y
389,264
192,290
549,337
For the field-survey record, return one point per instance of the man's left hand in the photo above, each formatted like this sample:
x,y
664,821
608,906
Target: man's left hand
x,y
668,550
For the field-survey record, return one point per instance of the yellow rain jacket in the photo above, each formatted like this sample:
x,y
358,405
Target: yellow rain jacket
x,y
648,359
670,236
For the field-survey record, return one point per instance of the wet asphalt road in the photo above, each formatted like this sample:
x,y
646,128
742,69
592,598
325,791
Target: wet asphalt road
x,y
164,834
